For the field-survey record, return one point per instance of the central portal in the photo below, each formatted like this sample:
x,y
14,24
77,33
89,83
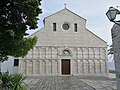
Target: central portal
x,y
65,66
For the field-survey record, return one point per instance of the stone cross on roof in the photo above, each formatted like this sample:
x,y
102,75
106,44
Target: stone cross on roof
x,y
65,5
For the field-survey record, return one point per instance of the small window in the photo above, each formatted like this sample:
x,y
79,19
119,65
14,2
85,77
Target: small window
x,y
66,52
16,62
54,26
65,26
75,27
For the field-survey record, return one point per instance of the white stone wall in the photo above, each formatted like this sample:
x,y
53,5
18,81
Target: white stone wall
x,y
8,65
46,61
87,51
82,38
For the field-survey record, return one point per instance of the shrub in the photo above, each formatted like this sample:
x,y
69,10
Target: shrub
x,y
12,82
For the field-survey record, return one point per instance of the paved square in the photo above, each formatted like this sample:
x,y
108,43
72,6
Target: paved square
x,y
69,83
56,83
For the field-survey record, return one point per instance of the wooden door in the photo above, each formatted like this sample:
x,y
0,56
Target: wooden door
x,y
65,66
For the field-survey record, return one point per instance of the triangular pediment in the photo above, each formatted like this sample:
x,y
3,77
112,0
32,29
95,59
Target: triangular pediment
x,y
82,38
64,11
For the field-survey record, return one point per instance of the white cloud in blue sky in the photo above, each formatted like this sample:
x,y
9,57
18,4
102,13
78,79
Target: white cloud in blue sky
x,y
92,10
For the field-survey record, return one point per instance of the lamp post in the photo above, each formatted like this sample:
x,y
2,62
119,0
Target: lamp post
x,y
115,31
112,13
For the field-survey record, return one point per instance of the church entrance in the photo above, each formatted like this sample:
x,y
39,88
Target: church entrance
x,y
65,66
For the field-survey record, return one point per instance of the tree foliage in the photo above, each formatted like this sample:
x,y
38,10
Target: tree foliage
x,y
16,17
5,81
12,81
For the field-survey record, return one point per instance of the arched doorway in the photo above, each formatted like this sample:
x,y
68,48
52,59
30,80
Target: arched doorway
x,y
65,62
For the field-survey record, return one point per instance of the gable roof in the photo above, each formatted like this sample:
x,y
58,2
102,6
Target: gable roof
x,y
63,10
95,35
78,39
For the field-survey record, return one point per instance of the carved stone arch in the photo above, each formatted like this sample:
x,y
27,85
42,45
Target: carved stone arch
x,y
35,53
86,66
44,53
54,53
80,53
103,53
80,70
94,66
85,53
104,66
86,48
49,67
43,66
40,53
75,53
97,66
97,53
40,67
76,66
82,64
37,66
81,49
55,67
24,66
48,53
91,53
30,67
100,66
66,51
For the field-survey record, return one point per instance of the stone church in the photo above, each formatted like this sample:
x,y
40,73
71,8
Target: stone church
x,y
65,47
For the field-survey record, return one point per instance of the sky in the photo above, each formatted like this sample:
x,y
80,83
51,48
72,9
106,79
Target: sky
x,y
94,11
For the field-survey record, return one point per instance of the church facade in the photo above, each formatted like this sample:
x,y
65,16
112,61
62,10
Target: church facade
x,y
65,47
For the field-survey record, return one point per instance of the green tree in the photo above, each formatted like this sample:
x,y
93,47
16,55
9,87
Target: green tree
x,y
16,17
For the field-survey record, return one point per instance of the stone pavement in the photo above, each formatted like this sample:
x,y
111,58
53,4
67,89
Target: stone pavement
x,y
69,83
101,83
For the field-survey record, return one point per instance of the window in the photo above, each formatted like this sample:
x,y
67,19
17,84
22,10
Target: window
x,y
65,26
54,26
66,52
16,62
75,27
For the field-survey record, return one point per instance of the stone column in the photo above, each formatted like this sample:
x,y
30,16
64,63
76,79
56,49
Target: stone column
x,y
34,65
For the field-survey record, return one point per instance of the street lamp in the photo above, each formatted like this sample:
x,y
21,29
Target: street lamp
x,y
112,13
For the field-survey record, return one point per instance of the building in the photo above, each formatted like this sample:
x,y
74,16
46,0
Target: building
x,y
10,65
65,47
116,49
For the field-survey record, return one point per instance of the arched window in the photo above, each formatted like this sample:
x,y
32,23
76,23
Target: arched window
x,y
66,52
